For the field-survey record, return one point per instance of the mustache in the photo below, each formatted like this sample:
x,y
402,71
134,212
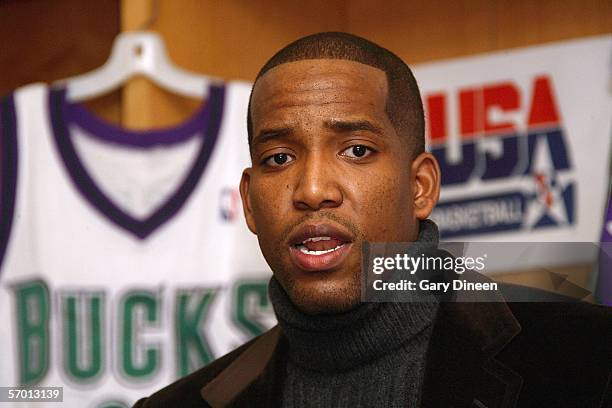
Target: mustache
x,y
324,216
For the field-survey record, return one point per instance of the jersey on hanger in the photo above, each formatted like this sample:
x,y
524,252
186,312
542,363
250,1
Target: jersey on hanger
x,y
125,261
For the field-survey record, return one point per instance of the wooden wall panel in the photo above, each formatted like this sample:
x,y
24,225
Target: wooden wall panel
x,y
46,40
523,22
233,39
426,30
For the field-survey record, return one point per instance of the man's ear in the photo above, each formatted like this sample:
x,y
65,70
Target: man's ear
x,y
245,183
426,187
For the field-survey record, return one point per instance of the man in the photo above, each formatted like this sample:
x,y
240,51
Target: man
x,y
336,133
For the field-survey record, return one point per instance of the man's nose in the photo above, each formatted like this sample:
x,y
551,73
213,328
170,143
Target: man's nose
x,y
317,184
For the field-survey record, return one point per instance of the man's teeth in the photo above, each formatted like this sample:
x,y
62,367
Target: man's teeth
x,y
316,239
305,250
302,247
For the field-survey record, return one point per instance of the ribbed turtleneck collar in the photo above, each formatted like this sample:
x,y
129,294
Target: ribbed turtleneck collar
x,y
341,341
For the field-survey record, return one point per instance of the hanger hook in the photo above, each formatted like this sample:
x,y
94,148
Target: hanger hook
x,y
152,18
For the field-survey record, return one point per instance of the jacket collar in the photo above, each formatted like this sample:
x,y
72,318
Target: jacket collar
x,y
461,369
253,377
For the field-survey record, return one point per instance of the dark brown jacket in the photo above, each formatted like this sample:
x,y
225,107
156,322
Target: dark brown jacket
x,y
480,355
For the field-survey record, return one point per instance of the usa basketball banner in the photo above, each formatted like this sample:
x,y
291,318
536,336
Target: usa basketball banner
x,y
523,141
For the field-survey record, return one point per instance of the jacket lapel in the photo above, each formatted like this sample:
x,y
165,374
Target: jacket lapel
x,y
252,379
461,369
266,389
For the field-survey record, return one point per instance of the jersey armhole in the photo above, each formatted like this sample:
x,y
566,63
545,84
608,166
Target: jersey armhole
x,y
8,170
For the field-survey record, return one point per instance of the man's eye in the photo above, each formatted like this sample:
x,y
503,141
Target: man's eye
x,y
357,152
278,159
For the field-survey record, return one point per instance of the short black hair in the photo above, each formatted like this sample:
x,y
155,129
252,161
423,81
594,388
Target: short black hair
x,y
404,106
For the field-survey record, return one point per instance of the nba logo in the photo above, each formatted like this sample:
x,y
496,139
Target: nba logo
x,y
229,203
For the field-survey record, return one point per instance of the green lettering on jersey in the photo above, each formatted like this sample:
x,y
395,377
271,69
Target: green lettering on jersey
x,y
83,321
32,305
251,304
140,310
191,311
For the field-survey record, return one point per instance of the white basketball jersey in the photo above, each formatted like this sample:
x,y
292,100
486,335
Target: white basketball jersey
x,y
125,261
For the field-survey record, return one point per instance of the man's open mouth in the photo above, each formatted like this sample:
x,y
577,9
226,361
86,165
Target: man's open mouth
x,y
319,247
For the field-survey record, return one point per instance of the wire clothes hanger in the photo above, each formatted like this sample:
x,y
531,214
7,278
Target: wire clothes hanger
x,y
140,52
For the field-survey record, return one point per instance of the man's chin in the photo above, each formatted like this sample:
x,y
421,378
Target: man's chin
x,y
324,298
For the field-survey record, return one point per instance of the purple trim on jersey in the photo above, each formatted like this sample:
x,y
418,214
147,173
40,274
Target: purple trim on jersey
x,y
108,132
606,235
208,126
8,171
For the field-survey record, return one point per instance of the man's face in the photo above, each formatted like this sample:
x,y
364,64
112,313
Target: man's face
x,y
329,172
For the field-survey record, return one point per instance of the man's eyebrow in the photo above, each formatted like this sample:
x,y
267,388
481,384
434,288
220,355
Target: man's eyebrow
x,y
354,125
266,135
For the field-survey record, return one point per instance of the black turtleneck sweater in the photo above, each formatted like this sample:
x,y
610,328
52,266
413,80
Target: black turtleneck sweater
x,y
373,355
